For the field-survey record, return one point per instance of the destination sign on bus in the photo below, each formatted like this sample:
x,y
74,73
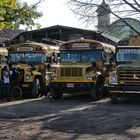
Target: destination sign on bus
x,y
24,49
80,45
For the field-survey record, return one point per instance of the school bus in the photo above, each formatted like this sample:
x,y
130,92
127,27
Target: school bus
x,y
125,79
84,67
32,61
3,59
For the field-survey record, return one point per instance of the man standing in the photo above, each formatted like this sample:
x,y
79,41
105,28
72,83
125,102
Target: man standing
x,y
13,75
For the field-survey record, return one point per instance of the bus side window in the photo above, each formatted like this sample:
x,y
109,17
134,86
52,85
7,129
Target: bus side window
x,y
103,56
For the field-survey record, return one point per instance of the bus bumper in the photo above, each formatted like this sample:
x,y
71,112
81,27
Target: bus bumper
x,y
71,87
124,89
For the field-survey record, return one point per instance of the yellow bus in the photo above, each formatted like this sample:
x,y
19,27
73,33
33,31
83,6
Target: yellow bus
x,y
84,67
125,79
31,60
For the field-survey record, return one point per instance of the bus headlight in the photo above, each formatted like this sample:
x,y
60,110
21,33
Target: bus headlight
x,y
47,77
54,77
89,78
113,79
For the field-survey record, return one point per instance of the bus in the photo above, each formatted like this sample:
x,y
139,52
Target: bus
x,y
84,66
32,61
125,79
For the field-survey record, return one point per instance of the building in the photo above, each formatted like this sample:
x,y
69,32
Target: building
x,y
103,14
62,33
8,34
118,28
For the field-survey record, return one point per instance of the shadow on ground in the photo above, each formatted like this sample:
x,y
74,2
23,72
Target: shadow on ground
x,y
72,117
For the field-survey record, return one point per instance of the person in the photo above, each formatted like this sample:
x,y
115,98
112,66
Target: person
x,y
13,75
6,82
11,72
1,89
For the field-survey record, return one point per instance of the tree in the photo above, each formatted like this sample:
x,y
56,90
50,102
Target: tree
x,y
14,13
86,10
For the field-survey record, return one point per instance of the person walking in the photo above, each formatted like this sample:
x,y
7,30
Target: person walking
x,y
6,83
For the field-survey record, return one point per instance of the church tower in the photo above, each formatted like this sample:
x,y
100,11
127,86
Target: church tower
x,y
103,12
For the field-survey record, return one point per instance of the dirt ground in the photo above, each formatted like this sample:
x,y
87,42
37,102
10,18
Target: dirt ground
x,y
71,118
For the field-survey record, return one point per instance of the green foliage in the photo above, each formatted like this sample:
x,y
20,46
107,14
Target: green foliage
x,y
13,14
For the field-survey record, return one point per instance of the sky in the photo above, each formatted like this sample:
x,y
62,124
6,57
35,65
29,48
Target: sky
x,y
57,12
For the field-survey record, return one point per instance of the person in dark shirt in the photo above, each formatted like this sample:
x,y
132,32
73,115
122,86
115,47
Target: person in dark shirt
x,y
13,75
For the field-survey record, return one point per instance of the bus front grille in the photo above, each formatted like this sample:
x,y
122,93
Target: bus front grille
x,y
71,72
129,77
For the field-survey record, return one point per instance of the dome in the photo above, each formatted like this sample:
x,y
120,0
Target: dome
x,y
120,30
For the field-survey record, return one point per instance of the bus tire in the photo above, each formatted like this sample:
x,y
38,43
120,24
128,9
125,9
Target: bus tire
x,y
114,98
36,88
16,93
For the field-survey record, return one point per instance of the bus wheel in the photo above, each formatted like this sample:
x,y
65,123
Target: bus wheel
x,y
99,89
36,88
16,92
56,94
114,98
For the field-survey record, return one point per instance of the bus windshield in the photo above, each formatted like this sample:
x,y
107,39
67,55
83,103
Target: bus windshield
x,y
81,56
128,54
30,58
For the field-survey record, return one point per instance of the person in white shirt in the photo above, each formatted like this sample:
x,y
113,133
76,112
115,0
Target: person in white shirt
x,y
6,83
